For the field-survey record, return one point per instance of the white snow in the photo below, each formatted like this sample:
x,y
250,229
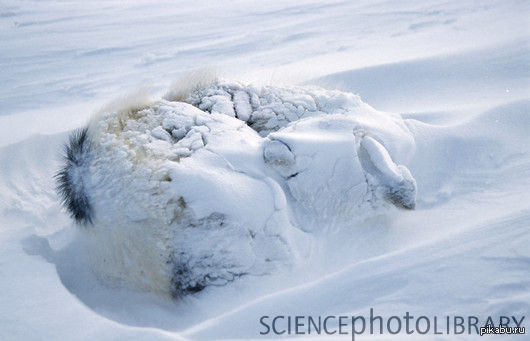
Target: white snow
x,y
456,71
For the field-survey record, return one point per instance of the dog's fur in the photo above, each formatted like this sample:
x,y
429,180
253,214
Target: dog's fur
x,y
70,182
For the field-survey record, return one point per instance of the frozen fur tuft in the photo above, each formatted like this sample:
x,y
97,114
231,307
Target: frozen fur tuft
x,y
130,102
190,82
124,107
70,182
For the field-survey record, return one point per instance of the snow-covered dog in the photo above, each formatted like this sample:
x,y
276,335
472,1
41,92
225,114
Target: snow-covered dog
x,y
213,184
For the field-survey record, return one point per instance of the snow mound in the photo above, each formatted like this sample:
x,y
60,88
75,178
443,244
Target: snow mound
x,y
173,198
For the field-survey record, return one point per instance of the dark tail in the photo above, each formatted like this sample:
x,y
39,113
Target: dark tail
x,y
71,177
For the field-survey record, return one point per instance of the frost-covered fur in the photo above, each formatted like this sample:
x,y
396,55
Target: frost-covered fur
x,y
267,108
177,197
335,169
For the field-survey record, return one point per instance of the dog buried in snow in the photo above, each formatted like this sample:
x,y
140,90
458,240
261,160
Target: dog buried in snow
x,y
211,184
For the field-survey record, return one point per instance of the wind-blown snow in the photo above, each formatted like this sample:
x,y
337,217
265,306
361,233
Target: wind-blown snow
x,y
457,72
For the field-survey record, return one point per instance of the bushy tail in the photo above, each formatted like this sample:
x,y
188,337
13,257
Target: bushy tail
x,y
72,176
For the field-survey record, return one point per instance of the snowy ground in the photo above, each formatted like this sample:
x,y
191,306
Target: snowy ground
x,y
458,71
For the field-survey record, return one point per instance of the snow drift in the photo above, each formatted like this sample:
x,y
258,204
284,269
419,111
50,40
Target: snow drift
x,y
172,197
457,71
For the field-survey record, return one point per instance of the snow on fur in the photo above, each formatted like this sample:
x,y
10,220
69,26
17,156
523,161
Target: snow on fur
x,y
268,108
180,197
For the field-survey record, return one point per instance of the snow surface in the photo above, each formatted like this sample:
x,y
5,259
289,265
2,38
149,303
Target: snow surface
x,y
456,71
